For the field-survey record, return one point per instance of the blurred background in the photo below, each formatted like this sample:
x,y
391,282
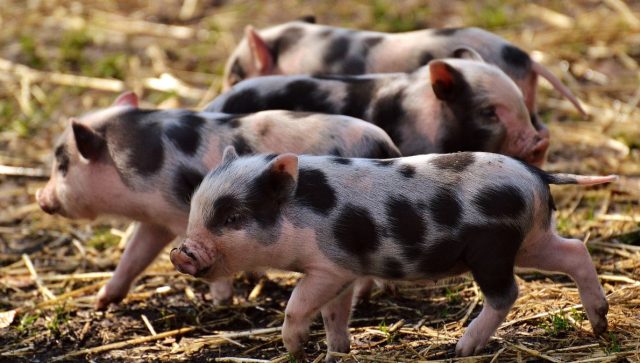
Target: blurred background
x,y
62,58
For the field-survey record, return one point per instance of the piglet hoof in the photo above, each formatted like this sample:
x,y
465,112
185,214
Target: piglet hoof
x,y
105,297
599,325
221,292
468,345
330,358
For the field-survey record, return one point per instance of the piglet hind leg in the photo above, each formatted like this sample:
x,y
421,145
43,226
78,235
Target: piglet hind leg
x,y
335,315
313,291
222,291
570,256
145,244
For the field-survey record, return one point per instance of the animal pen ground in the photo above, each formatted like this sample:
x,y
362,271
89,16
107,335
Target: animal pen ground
x,y
63,58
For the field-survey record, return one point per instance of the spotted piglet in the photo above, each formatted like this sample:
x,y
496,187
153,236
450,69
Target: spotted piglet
x,y
449,105
300,47
423,217
144,164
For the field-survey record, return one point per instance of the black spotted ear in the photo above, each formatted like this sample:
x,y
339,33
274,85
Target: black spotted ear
x,y
260,52
229,154
90,144
282,174
467,53
446,81
311,19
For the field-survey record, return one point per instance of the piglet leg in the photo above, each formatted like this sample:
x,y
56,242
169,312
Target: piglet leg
x,y
481,328
143,247
335,315
222,290
313,291
570,256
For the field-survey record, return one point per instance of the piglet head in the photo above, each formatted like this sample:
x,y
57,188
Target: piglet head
x,y
237,208
488,109
252,58
82,170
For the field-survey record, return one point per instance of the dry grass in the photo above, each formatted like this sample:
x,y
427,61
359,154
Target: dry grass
x,y
59,58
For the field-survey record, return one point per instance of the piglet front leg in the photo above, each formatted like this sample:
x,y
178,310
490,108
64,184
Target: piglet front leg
x,y
313,291
335,315
144,246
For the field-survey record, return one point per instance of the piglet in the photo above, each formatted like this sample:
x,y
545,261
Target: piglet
x,y
144,164
300,47
423,217
449,105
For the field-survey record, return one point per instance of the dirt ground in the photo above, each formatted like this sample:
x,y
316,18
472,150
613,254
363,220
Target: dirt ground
x,y
62,58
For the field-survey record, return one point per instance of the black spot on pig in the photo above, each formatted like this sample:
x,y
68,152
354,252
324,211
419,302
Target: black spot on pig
x,y
457,162
241,145
243,101
341,161
62,158
137,131
270,157
425,58
406,224
392,268
359,95
266,195
371,41
223,208
229,120
287,39
516,58
388,113
408,171
446,31
185,182
337,50
314,191
311,19
356,232
335,151
441,255
326,33
381,150
384,163
500,201
238,71
300,95
445,207
490,254
185,134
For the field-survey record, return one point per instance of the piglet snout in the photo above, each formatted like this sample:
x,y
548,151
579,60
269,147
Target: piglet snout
x,y
183,260
537,154
47,204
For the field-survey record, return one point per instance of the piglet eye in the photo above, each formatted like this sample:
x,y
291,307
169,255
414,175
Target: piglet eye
x,y
232,221
489,112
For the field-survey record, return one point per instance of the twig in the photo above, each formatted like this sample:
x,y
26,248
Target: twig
x,y
23,171
117,345
532,352
471,307
241,360
148,324
541,315
46,293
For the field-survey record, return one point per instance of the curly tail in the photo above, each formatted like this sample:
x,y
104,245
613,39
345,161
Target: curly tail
x,y
579,179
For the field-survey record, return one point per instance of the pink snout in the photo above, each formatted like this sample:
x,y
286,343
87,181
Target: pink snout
x,y
184,260
538,153
48,203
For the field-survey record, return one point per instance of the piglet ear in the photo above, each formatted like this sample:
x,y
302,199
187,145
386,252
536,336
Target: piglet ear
x,y
260,53
467,53
127,98
229,154
445,80
282,176
89,143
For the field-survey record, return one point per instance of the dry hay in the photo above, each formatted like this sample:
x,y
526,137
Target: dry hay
x,y
58,57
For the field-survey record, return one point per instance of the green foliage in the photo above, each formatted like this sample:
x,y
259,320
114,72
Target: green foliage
x,y
59,318
613,345
453,296
110,66
27,321
390,337
387,18
72,46
559,324
103,239
29,50
491,15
